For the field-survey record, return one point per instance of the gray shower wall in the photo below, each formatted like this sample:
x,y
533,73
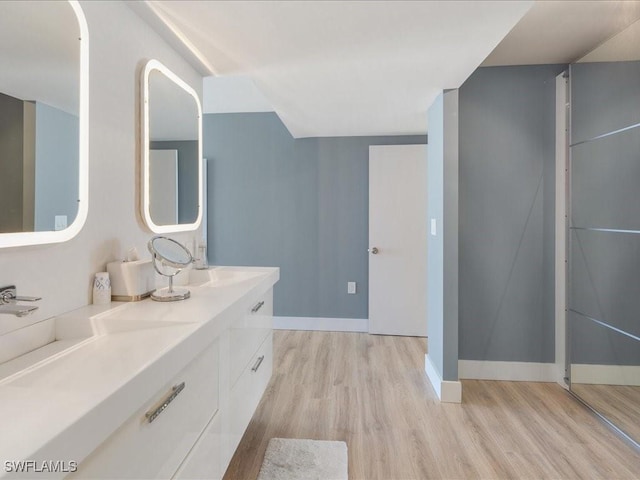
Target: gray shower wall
x,y
605,218
507,214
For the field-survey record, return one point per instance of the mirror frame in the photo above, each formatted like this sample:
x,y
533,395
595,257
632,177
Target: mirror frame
x,y
144,147
19,239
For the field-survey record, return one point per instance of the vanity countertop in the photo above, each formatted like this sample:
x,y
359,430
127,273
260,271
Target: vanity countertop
x,y
62,409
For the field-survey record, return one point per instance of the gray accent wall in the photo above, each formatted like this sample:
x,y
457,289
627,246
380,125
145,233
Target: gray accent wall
x,y
442,248
39,157
507,214
297,204
56,170
11,169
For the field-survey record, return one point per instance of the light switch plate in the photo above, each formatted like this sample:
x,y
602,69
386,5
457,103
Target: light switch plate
x,y
433,227
60,222
351,288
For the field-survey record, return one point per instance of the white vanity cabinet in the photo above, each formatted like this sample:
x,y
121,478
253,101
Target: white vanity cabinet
x,y
248,390
155,440
247,336
149,390
191,427
246,367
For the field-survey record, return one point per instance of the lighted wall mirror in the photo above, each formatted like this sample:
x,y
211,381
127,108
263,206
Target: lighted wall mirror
x,y
43,122
171,152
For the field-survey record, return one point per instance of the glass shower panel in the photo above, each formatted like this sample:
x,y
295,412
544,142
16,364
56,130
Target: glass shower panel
x,y
604,98
605,278
604,241
605,174
605,372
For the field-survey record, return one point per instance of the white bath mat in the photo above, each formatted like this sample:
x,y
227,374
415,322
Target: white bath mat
x,y
294,459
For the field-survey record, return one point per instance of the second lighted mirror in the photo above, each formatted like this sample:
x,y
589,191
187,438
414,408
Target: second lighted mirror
x,y
171,152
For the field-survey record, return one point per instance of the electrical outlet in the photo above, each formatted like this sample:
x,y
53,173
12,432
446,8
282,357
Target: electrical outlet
x,y
60,222
351,288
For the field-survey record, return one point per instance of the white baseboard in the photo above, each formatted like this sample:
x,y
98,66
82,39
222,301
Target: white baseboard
x,y
509,371
628,375
447,391
321,324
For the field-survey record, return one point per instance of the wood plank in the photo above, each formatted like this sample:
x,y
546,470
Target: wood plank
x,y
371,392
619,403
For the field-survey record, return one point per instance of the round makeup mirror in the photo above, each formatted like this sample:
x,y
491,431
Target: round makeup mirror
x,y
169,258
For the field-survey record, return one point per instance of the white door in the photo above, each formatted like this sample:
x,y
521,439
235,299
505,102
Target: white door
x,y
398,240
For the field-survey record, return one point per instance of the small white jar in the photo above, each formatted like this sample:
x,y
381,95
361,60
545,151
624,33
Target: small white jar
x,y
102,289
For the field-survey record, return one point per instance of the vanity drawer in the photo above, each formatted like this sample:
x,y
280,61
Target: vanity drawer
x,y
155,440
246,335
248,390
208,459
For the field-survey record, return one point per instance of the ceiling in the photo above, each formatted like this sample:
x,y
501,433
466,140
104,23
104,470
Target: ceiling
x,y
562,31
345,68
624,47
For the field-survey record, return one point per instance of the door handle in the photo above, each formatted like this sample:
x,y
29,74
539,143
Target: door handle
x,y
373,250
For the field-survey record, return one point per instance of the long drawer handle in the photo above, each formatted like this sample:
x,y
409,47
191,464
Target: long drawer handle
x,y
257,307
258,363
175,391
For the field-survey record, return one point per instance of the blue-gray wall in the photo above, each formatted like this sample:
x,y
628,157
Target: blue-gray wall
x,y
605,194
298,204
507,214
442,248
187,176
57,166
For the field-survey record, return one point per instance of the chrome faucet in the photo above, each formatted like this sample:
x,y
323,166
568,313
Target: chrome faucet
x,y
9,305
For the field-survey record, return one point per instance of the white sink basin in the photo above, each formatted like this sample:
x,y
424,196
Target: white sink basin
x,y
124,321
55,337
42,341
222,276
51,339
119,320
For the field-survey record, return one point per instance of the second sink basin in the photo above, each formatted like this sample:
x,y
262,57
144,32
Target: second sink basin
x,y
52,338
223,276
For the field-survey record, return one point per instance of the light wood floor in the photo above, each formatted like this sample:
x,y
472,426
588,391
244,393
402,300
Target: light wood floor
x,y
620,404
371,392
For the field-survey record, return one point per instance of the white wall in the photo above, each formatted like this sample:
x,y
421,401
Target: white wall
x,y
120,43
